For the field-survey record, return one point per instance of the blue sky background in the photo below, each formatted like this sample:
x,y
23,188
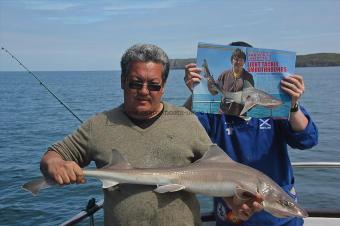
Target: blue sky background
x,y
92,35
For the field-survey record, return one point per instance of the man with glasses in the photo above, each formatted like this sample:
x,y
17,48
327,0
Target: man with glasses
x,y
148,132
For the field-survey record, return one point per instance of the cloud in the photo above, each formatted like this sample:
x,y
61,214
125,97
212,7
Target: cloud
x,y
77,19
303,36
87,11
138,5
49,5
104,5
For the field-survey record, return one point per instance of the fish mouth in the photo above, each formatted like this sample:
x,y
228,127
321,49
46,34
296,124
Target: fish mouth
x,y
302,213
296,212
284,208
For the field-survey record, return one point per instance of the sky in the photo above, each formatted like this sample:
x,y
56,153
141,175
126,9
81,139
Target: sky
x,y
57,35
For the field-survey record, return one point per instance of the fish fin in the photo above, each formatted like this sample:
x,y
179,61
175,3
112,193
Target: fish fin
x,y
216,154
35,186
108,183
247,106
169,188
118,161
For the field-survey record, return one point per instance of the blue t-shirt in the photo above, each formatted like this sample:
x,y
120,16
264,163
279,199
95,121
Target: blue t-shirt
x,y
261,144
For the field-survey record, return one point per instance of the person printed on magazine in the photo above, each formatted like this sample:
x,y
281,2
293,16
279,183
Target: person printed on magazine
x,y
233,80
260,143
142,130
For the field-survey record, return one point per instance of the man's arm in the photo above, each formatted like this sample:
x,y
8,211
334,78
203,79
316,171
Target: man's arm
x,y
53,166
191,77
294,86
64,159
298,121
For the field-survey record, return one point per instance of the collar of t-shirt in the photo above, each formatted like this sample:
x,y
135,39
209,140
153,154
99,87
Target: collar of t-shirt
x,y
145,123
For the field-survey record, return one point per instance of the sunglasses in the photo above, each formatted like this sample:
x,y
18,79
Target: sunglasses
x,y
139,85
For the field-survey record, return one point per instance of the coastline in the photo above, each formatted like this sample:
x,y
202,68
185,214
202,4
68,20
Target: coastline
x,y
308,60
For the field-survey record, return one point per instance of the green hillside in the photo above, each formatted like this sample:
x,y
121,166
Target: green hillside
x,y
318,60
309,60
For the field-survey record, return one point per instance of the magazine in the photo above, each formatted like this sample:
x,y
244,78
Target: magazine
x,y
242,81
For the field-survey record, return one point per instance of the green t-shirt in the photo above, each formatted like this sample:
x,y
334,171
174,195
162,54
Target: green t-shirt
x,y
176,138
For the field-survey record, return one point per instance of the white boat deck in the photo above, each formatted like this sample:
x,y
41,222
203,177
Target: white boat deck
x,y
318,221
309,221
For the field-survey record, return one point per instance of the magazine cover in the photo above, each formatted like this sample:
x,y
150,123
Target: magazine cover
x,y
242,81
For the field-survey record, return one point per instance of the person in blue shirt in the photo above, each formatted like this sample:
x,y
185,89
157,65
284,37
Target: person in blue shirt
x,y
260,143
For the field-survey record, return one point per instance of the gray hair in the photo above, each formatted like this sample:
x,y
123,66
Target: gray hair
x,y
144,53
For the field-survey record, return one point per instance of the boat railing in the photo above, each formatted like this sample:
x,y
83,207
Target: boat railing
x,y
316,164
93,206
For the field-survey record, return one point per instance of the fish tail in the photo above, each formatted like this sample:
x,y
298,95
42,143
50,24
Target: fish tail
x,y
35,186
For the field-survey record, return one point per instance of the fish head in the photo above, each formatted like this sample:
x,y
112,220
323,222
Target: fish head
x,y
260,97
277,202
268,100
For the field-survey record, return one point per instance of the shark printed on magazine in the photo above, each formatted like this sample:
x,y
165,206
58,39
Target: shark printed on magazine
x,y
242,81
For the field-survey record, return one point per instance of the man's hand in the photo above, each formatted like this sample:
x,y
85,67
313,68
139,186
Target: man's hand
x,y
294,86
244,209
61,171
192,75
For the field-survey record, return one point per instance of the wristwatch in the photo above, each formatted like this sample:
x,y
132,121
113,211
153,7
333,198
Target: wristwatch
x,y
295,108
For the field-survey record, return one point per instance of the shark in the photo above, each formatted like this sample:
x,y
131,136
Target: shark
x,y
249,96
215,174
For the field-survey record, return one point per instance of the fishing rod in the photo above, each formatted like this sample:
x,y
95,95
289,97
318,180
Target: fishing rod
x,y
41,83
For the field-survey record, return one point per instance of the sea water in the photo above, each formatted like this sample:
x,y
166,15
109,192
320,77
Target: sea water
x,y
31,119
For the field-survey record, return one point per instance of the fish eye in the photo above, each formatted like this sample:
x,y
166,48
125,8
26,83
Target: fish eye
x,y
286,203
264,189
